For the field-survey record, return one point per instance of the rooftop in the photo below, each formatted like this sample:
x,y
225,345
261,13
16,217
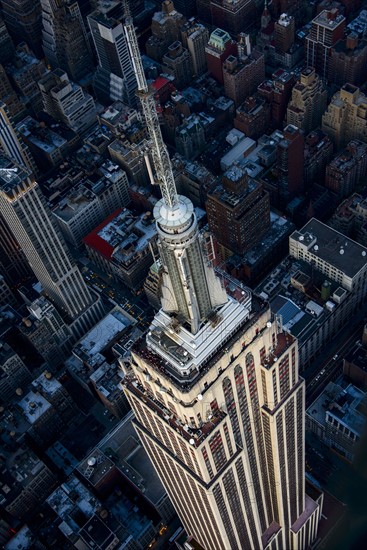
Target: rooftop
x,y
34,405
332,247
21,540
231,198
123,447
122,235
301,311
351,48
353,153
310,507
22,467
47,383
95,467
238,151
181,351
97,534
69,497
279,228
218,39
358,356
359,24
11,175
329,19
182,360
40,135
347,405
107,379
89,348
86,192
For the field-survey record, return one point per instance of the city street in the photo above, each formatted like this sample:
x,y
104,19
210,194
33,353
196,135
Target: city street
x,y
115,293
327,368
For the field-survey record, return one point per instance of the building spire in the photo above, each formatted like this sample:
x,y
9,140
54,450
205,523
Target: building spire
x,y
265,16
162,164
190,290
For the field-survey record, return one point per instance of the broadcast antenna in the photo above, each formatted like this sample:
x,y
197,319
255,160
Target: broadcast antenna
x,y
161,160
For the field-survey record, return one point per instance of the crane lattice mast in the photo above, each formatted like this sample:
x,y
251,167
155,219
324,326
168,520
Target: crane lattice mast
x,y
161,160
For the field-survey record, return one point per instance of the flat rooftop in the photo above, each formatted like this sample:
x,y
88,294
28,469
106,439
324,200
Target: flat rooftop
x,y
302,312
359,24
34,406
47,383
21,468
64,506
89,348
342,403
358,356
332,247
107,379
124,448
329,19
95,467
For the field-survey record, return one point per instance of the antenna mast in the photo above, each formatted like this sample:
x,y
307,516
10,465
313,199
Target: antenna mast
x,y
161,160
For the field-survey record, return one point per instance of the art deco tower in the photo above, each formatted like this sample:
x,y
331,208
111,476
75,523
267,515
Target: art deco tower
x,y
214,385
24,208
11,143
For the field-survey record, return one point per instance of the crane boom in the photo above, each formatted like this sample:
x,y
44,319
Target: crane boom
x,y
161,160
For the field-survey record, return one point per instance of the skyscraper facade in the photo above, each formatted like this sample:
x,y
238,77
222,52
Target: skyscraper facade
x,y
221,414
177,63
13,263
234,17
66,101
284,30
308,102
348,61
215,389
195,37
25,210
290,158
166,29
11,142
238,211
327,28
219,47
114,78
24,22
242,74
64,38
345,117
6,44
347,169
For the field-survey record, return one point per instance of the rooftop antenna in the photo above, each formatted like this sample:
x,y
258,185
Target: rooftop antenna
x,y
8,170
162,164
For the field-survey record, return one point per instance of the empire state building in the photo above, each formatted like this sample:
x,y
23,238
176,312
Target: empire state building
x,y
214,385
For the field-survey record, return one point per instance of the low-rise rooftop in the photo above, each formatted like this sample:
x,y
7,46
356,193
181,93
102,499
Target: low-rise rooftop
x,y
122,235
47,384
294,291
34,406
347,405
89,349
331,247
123,447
